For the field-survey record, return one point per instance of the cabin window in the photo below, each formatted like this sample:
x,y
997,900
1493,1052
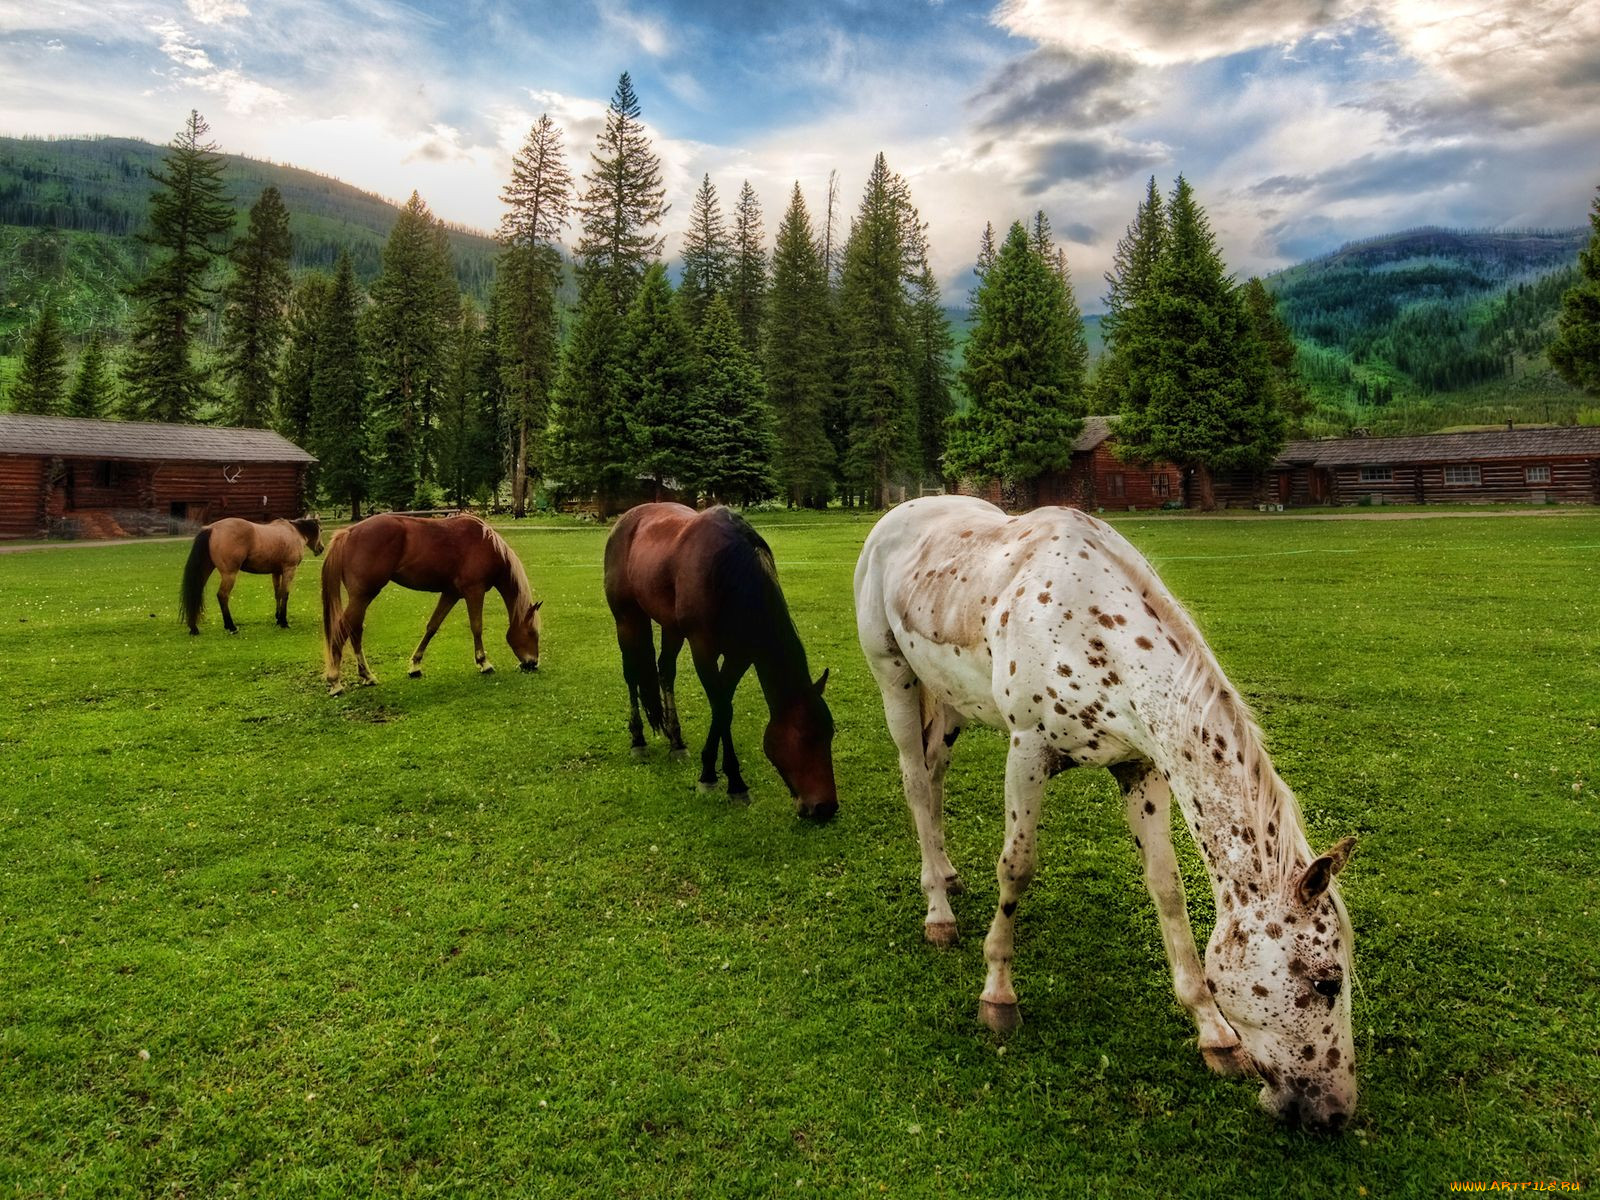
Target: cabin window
x,y
1116,484
105,474
1539,474
1377,474
1162,484
1466,475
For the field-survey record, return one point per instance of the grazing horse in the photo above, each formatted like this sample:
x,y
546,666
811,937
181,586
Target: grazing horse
x,y
459,557
232,545
709,579
1051,627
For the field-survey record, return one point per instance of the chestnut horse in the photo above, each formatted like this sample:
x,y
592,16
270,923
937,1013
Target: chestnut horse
x,y
1052,628
234,544
459,557
708,578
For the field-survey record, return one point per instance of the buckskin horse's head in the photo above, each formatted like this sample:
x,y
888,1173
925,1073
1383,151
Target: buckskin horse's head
x,y
799,743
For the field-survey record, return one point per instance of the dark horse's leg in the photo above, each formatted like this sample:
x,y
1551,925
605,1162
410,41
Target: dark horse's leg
x,y
224,589
634,639
281,580
474,601
447,601
671,644
719,683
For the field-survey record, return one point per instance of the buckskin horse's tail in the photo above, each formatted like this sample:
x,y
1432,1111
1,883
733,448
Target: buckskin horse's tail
x,y
191,592
333,630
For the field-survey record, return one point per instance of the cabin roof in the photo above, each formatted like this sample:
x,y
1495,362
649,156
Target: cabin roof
x,y
1095,430
1568,441
78,437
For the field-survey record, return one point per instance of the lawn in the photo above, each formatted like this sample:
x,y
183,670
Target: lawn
x,y
444,937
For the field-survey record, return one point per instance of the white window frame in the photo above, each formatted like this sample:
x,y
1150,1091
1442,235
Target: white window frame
x,y
1537,474
1463,475
1377,474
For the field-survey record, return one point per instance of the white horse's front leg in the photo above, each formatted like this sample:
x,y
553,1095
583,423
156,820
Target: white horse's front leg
x,y
1149,800
1027,771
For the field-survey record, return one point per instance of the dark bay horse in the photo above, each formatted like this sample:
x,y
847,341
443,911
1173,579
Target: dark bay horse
x,y
709,579
459,557
232,545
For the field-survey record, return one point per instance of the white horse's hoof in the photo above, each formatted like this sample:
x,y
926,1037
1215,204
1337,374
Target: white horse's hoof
x,y
940,933
1001,1018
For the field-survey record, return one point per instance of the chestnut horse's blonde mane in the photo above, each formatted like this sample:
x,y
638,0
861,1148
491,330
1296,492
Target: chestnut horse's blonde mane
x,y
521,601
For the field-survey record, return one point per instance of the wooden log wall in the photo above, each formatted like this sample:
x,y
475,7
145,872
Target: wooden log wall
x,y
21,496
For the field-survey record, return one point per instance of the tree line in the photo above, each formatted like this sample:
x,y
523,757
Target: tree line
x,y
816,371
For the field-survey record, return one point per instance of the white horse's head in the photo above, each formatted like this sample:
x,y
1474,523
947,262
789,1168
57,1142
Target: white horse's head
x,y
1279,966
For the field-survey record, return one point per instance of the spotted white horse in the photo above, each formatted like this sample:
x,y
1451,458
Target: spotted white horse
x,y
1052,627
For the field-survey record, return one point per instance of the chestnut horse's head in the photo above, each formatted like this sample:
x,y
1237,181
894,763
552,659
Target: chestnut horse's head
x,y
522,635
310,528
1280,968
799,743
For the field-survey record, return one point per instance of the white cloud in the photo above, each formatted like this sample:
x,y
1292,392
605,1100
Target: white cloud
x,y
214,12
181,48
648,33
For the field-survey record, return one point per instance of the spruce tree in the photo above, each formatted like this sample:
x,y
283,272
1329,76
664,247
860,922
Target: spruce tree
x,y
654,371
91,387
339,434
591,443
622,204
1196,391
189,216
874,316
1133,265
40,386
415,306
308,313
526,316
796,358
731,425
931,347
747,289
1023,381
1575,352
1275,342
458,408
986,257
707,255
491,436
255,303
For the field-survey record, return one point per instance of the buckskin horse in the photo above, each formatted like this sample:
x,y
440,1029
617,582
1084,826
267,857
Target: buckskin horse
x,y
708,578
1052,628
234,544
459,557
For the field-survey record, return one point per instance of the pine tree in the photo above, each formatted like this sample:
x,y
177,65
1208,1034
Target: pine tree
x,y
931,347
1022,378
491,437
622,204
796,359
654,380
255,303
875,317
747,289
189,214
591,444
458,408
415,306
986,257
526,315
1276,344
707,255
1133,264
1196,391
339,434
1575,352
308,313
91,388
731,426
40,386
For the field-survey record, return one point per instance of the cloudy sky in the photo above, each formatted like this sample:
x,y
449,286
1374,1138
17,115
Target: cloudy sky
x,y
1301,123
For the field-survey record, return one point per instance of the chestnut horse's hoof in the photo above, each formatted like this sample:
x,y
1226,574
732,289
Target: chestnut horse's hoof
x,y
940,933
336,690
1001,1018
1228,1060
414,673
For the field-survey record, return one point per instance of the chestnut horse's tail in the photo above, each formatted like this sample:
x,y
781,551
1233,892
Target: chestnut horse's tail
x,y
191,592
333,628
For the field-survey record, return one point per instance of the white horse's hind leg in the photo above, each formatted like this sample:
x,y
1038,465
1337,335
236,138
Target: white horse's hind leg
x,y
1027,771
1148,802
939,730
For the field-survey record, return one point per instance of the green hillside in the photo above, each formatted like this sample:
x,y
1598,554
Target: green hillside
x,y
71,210
1432,327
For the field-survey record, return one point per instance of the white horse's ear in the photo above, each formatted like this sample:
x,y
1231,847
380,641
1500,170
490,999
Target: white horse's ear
x,y
1314,880
822,680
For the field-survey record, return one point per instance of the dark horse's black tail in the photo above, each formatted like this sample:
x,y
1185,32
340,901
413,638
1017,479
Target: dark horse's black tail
x,y
191,594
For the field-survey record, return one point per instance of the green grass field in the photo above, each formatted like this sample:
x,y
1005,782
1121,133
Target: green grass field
x,y
444,937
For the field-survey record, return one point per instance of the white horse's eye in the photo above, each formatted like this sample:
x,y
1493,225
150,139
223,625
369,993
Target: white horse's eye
x,y
1327,987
